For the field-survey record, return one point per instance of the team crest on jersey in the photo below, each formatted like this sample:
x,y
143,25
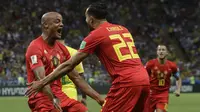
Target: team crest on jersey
x,y
161,75
158,72
55,61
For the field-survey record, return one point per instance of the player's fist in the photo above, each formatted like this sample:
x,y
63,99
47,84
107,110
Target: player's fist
x,y
177,93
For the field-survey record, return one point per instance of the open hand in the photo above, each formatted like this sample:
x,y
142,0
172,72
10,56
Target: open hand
x,y
34,87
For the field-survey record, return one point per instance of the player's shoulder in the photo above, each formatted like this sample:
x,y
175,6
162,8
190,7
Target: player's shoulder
x,y
152,61
97,34
171,63
123,27
120,27
35,44
35,47
104,29
61,46
101,31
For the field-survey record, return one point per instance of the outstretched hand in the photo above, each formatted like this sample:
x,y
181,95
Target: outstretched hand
x,y
34,88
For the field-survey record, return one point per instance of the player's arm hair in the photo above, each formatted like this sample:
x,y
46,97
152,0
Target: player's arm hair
x,y
68,66
39,73
82,93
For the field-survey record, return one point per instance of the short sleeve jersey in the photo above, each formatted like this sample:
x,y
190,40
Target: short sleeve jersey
x,y
159,75
114,46
38,54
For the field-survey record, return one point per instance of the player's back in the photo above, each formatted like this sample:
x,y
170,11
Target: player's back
x,y
118,53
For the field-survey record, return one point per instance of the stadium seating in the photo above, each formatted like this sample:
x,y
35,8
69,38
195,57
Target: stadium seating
x,y
150,22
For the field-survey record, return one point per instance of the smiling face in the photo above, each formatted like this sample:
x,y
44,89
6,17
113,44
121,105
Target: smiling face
x,y
52,23
162,51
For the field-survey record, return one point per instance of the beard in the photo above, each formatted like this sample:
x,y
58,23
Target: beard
x,y
55,34
90,27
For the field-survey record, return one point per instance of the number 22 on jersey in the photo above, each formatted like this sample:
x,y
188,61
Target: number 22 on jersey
x,y
123,44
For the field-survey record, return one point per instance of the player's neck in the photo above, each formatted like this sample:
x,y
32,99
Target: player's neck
x,y
49,40
62,42
161,61
99,22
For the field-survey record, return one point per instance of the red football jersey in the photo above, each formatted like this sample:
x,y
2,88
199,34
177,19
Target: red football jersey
x,y
114,46
39,53
160,76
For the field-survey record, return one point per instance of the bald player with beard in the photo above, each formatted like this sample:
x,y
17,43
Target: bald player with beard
x,y
43,55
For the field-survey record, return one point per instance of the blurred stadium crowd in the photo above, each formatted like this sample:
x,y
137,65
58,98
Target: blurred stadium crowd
x,y
175,23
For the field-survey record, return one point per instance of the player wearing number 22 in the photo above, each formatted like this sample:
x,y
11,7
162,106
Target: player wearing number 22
x,y
114,46
160,71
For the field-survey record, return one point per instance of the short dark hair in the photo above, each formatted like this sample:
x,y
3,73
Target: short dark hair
x,y
98,10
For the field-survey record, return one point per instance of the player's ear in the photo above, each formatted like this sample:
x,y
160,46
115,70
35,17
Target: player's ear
x,y
46,26
92,19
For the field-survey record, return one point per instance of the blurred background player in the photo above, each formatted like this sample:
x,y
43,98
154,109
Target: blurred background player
x,y
114,46
160,70
43,55
68,87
